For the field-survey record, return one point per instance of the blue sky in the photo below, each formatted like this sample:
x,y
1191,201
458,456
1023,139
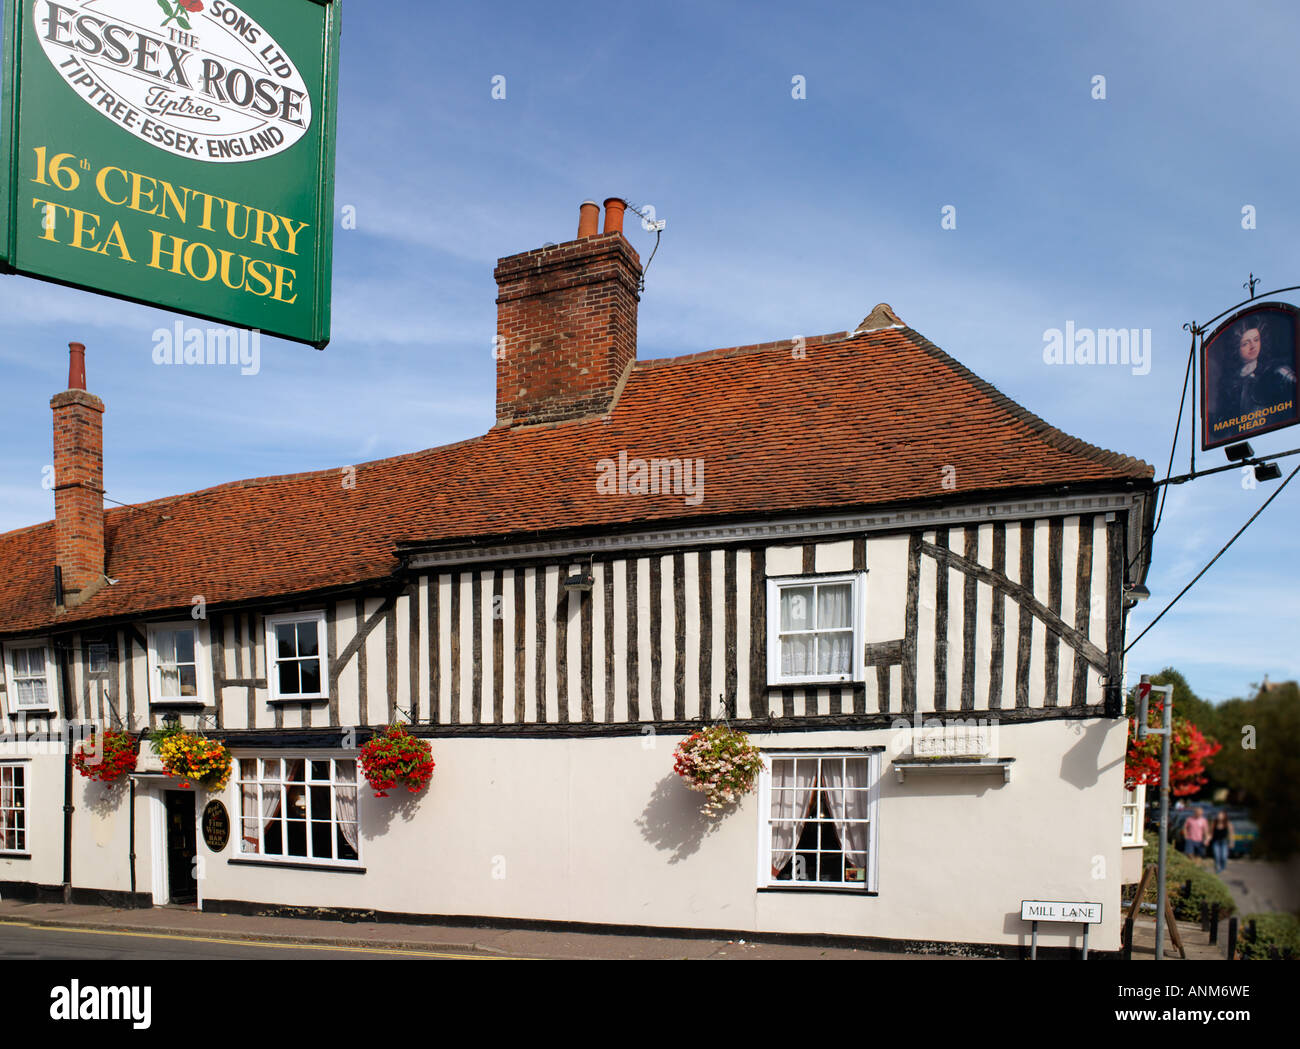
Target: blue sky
x,y
784,217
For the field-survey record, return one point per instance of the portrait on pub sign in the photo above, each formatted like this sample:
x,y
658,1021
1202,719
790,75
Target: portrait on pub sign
x,y
1248,374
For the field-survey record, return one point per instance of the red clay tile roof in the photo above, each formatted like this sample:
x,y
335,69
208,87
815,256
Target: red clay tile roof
x,y
863,420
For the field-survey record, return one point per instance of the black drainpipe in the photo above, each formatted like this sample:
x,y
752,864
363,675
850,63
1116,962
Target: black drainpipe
x,y
63,656
131,817
132,845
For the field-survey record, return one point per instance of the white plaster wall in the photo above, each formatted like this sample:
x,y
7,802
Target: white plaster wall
x,y
600,830
44,780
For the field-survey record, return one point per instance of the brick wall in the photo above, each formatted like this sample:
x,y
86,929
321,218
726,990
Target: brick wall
x,y
78,488
566,328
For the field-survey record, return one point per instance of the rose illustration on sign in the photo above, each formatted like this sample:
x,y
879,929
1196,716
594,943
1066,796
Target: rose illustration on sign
x,y
211,84
176,12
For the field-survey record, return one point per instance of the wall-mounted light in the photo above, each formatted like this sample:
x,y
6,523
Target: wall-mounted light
x,y
1135,592
581,580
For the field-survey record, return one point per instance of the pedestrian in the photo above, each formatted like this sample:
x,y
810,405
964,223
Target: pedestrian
x,y
1221,840
1195,832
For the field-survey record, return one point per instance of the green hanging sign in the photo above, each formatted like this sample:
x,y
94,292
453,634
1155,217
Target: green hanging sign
x,y
178,153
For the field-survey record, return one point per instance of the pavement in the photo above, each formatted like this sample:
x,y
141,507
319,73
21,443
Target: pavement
x,y
1264,886
442,940
1196,941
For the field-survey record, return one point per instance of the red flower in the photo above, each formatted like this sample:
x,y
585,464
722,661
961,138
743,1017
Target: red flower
x,y
1190,753
192,5
396,757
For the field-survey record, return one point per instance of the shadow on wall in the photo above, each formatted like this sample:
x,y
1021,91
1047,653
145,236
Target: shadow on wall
x,y
944,785
1081,764
377,814
105,799
672,821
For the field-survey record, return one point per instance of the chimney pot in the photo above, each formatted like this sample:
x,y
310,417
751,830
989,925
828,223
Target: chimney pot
x,y
588,219
614,208
76,366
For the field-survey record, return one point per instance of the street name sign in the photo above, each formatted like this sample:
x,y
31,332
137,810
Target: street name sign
x,y
178,153
1047,911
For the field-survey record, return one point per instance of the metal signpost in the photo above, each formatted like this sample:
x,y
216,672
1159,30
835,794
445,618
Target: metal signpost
x,y
178,153
1145,688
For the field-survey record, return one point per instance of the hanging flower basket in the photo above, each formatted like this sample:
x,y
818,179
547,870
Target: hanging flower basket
x,y
721,763
107,757
395,758
192,758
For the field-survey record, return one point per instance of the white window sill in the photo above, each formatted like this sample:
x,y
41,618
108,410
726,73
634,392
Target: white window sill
x,y
847,888
45,711
185,702
319,698
15,855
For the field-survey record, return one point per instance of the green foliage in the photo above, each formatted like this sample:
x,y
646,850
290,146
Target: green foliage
x,y
1271,930
1206,886
1187,703
159,736
1271,772
1260,759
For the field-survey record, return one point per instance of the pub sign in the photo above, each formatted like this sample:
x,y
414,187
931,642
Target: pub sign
x,y
178,153
1248,374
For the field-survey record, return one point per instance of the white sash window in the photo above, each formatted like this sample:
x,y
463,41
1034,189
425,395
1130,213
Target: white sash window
x,y
178,665
818,813
13,808
30,670
295,651
298,807
815,629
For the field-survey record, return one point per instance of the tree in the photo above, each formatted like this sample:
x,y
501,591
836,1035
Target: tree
x,y
1189,754
1266,745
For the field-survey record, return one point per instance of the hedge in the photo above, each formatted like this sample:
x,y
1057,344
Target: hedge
x,y
1206,887
1271,930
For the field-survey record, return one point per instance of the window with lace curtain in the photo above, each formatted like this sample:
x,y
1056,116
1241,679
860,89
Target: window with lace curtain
x,y
13,808
178,668
298,807
31,679
1134,805
815,629
818,812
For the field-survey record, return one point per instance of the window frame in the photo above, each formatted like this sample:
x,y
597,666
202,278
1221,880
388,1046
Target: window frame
x,y
316,616
1138,805
25,809
12,704
260,858
202,667
871,885
857,671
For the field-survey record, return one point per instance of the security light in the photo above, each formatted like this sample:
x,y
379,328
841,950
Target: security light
x,y
1238,452
1135,592
581,581
1267,472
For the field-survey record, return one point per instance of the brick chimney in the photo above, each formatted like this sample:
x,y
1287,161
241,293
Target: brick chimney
x,y
566,323
78,482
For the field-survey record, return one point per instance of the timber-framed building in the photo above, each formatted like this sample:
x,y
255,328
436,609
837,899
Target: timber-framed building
x,y
906,587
